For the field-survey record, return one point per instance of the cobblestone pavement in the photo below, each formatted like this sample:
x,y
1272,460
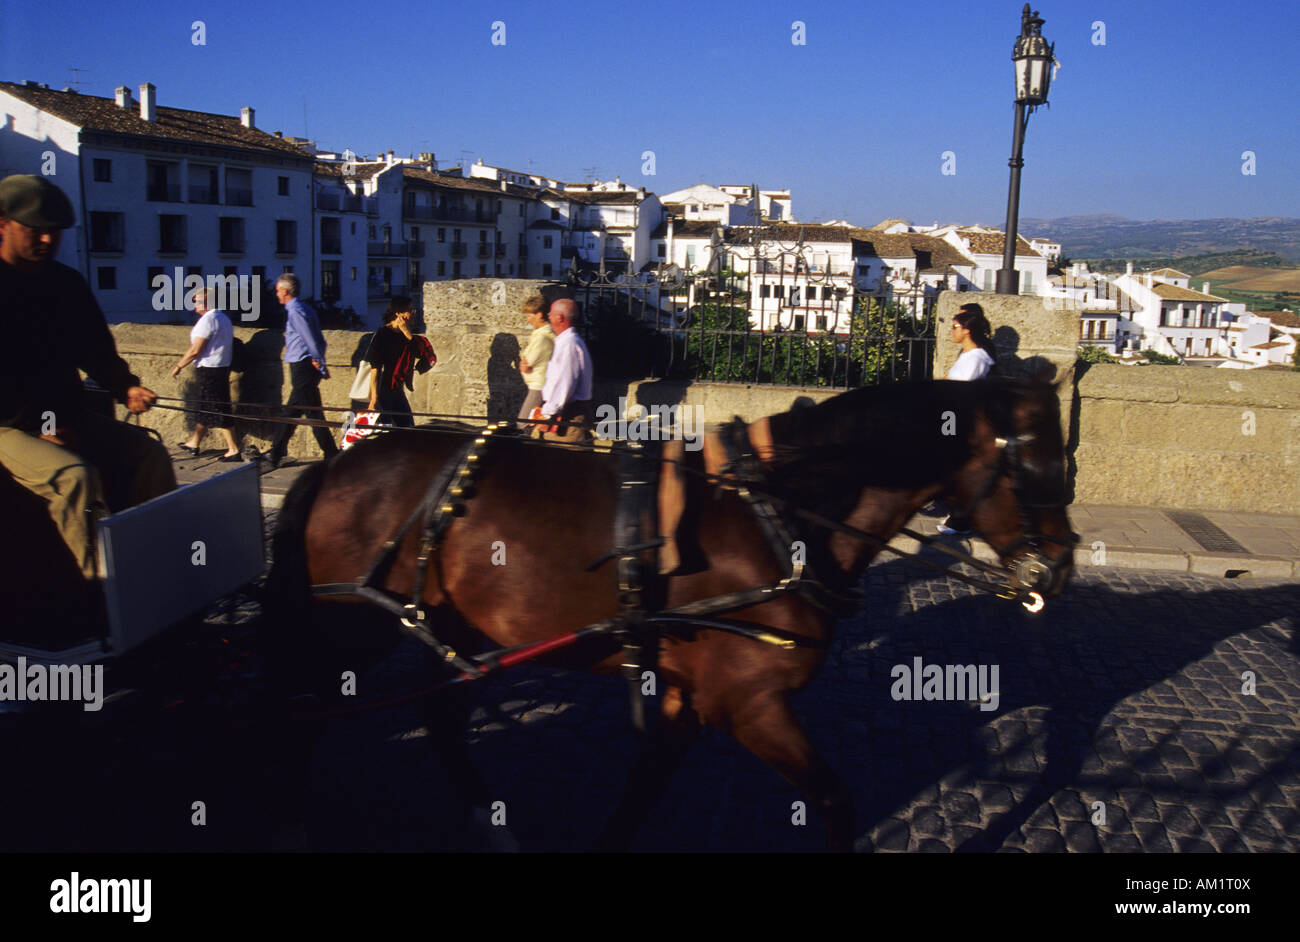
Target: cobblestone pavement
x,y
1124,697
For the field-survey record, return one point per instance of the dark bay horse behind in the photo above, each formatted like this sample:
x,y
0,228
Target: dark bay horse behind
x,y
513,567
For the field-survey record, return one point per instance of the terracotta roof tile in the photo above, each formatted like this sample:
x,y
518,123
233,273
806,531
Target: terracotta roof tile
x,y
170,124
993,243
1175,293
686,229
472,184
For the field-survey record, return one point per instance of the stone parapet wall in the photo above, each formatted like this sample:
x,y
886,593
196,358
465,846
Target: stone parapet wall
x,y
1189,437
1141,436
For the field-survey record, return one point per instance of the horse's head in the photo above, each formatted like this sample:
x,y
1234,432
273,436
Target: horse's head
x,y
1013,486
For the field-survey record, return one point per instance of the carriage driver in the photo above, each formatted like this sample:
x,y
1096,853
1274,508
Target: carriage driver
x,y
81,462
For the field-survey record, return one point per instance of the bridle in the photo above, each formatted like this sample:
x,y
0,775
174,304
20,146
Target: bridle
x,y
1033,569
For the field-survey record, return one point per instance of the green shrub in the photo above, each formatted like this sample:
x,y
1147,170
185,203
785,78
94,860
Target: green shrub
x,y
1094,354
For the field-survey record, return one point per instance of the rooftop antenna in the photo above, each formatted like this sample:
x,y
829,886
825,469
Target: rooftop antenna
x,y
591,173
463,166
76,79
305,133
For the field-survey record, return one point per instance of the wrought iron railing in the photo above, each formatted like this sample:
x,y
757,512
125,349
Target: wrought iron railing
x,y
712,325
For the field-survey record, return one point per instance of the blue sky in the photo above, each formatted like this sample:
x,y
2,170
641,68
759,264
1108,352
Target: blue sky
x,y
1150,125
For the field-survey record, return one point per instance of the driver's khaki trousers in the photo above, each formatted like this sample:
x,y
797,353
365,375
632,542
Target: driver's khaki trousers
x,y
132,468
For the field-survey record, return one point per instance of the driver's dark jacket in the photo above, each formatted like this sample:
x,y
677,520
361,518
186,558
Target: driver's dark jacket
x,y
50,327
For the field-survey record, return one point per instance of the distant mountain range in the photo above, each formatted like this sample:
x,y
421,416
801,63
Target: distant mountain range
x,y
1106,235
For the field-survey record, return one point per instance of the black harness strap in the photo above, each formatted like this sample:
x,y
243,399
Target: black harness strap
x,y
442,501
638,480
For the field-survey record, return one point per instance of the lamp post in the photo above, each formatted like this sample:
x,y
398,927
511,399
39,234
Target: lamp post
x,y
1033,57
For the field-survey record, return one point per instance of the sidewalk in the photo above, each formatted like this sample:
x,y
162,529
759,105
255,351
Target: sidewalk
x,y
1209,543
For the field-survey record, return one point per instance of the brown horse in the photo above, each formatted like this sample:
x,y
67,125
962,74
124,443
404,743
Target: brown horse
x,y
869,458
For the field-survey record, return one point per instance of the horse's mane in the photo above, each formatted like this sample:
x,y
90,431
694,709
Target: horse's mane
x,y
902,435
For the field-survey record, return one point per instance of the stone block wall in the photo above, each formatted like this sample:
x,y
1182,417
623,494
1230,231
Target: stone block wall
x,y
1184,437
1189,437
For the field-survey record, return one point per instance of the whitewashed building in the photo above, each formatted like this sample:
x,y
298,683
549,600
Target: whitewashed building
x,y
1174,319
984,248
608,223
481,171
160,189
344,214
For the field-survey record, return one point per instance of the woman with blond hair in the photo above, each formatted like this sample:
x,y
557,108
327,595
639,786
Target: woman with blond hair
x,y
535,356
212,343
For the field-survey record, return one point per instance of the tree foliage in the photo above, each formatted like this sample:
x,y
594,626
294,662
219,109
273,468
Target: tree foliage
x,y
1160,358
1095,354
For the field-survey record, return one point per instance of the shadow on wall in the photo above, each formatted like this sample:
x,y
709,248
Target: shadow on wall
x,y
252,392
1007,341
506,388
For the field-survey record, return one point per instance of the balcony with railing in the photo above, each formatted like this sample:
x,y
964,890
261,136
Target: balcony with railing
x,y
484,250
377,288
387,249
344,202
239,196
163,193
331,246
523,251
458,249
415,248
445,214
200,193
501,250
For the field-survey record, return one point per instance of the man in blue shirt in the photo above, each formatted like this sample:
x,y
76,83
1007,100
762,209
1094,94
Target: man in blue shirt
x,y
304,351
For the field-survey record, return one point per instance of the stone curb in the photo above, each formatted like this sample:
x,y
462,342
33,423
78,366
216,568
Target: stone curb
x,y
1162,560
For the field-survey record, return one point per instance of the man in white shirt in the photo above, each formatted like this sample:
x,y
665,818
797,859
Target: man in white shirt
x,y
566,396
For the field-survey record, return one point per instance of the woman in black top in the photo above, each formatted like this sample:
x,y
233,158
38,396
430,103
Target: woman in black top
x,y
395,355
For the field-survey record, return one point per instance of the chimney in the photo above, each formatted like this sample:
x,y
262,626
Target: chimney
x,y
505,187
123,97
1205,287
1128,269
246,117
147,92
390,158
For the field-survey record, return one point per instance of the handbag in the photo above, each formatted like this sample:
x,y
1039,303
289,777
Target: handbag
x,y
361,426
361,385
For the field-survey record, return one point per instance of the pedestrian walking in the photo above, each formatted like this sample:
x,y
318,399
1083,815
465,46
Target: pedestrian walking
x,y
396,355
535,356
304,351
566,411
212,344
970,329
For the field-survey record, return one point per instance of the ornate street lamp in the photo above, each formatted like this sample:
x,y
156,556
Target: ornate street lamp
x,y
1033,59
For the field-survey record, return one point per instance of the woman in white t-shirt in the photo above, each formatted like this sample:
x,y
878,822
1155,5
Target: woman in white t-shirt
x,y
970,328
212,341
